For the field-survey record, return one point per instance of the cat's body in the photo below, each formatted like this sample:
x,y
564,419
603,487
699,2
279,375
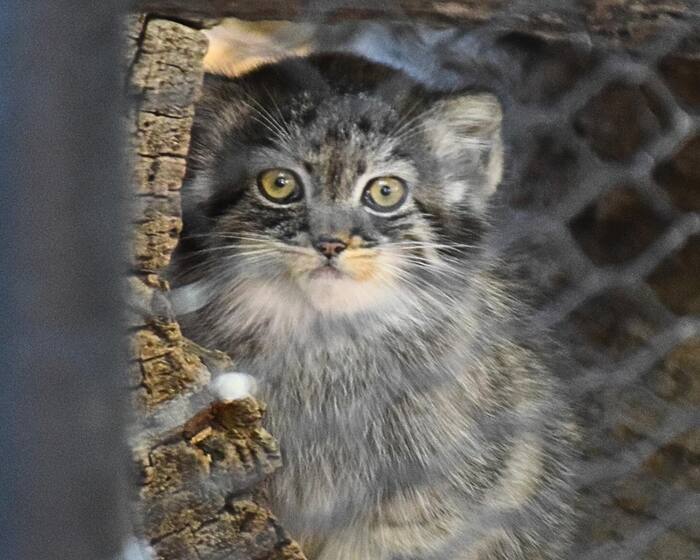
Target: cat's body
x,y
413,423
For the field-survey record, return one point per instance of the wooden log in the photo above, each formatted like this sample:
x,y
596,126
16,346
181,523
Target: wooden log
x,y
625,21
327,11
199,460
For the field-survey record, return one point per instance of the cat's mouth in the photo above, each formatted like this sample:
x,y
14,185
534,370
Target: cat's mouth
x,y
326,271
342,272
346,284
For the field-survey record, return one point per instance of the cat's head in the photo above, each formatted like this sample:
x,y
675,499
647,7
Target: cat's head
x,y
337,185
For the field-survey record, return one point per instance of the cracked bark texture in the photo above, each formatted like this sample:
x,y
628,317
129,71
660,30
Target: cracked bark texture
x,y
199,461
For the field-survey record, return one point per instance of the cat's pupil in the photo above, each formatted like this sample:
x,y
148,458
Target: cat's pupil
x,y
280,182
385,190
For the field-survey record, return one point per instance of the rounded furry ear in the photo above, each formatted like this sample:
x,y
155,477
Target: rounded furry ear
x,y
464,131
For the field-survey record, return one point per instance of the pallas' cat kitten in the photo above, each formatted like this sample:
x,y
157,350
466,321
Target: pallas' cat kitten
x,y
334,221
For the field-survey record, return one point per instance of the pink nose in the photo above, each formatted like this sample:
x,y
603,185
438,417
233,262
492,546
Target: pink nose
x,y
330,247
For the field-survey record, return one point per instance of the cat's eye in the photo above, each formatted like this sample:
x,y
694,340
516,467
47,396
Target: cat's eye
x,y
280,185
384,194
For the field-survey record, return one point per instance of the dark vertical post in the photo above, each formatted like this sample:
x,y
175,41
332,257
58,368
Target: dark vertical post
x,y
61,256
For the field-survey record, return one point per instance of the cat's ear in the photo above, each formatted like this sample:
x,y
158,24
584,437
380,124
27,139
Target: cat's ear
x,y
464,131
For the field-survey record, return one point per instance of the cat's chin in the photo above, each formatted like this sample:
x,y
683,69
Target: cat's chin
x,y
333,292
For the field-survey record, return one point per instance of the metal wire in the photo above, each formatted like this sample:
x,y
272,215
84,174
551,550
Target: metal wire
x,y
586,299
416,48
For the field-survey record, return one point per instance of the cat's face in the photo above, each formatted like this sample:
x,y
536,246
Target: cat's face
x,y
338,201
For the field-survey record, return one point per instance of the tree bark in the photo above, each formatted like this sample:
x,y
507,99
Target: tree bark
x,y
626,21
199,460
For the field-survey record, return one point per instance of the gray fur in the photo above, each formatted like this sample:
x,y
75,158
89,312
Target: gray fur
x,y
414,423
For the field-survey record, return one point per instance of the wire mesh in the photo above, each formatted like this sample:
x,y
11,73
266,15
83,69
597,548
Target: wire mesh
x,y
600,216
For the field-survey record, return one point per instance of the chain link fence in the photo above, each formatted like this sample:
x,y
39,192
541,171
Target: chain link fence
x,y
599,216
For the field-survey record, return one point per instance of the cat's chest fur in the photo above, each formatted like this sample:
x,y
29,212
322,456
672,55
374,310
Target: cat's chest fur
x,y
350,409
340,381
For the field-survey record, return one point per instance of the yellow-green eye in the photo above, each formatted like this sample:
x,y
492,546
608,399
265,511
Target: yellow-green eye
x,y
384,194
279,185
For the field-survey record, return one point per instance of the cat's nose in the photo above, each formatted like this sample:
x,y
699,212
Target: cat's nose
x,y
330,247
